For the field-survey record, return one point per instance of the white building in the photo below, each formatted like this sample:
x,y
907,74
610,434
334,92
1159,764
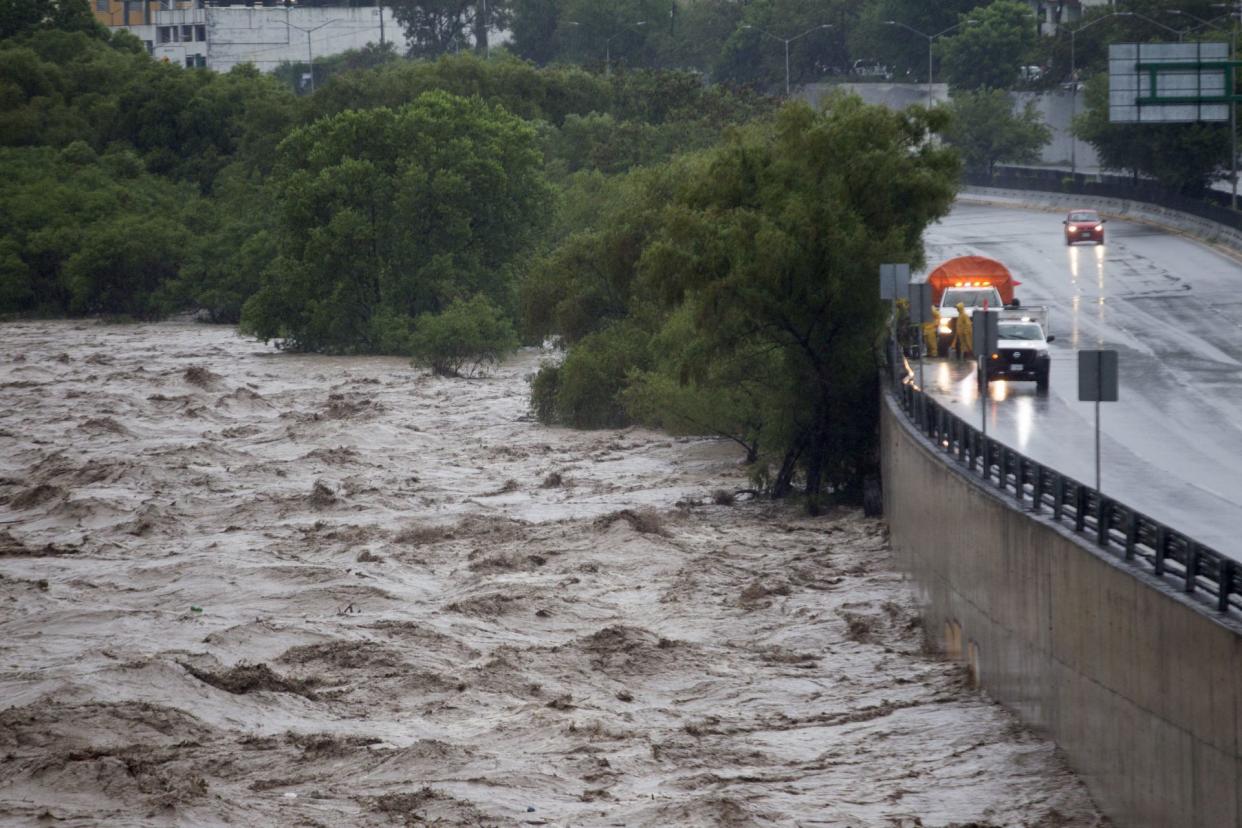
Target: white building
x,y
1055,13
220,37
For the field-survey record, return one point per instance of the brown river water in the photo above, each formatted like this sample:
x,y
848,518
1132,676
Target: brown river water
x,y
244,587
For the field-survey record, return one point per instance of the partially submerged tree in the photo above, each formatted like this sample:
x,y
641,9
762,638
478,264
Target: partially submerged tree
x,y
741,282
388,214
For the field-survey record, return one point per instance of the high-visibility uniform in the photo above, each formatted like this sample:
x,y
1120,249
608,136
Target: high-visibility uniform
x,y
931,334
964,337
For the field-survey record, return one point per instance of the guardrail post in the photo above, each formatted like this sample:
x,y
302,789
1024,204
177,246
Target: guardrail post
x,y
1162,541
1131,534
1103,520
1037,489
1019,491
1224,585
1058,497
1192,564
1080,508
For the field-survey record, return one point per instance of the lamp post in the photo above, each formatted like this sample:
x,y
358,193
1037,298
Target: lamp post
x,y
608,45
1074,72
931,39
1074,84
310,60
787,41
1233,110
1234,13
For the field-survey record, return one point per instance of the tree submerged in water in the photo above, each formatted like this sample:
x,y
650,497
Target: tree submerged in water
x,y
386,215
751,301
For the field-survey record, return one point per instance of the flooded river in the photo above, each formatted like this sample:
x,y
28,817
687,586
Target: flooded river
x,y
245,587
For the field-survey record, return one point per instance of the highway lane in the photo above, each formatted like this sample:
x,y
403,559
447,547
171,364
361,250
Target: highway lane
x,y
1172,307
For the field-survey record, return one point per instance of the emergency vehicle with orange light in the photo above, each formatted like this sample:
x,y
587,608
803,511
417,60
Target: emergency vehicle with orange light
x,y
974,282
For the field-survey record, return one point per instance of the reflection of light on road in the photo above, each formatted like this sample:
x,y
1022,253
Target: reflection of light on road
x,y
944,376
1099,303
998,390
1024,419
1075,301
1073,262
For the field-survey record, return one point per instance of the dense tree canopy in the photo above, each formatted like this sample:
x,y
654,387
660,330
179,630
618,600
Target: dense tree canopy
x,y
987,51
734,291
386,214
986,130
1182,157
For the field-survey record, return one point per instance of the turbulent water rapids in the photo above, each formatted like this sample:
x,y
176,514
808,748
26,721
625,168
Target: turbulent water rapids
x,y
245,587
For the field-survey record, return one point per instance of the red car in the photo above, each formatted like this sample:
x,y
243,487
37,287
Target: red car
x,y
1084,225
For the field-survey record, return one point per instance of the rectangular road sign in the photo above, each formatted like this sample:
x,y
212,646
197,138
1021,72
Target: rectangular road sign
x,y
984,326
1168,82
920,303
1097,376
893,281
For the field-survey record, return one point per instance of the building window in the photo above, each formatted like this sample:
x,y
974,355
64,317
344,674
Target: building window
x,y
150,47
200,33
101,5
200,61
189,61
187,34
163,34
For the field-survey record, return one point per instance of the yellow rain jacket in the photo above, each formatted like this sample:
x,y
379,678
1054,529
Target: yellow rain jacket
x,y
964,334
930,334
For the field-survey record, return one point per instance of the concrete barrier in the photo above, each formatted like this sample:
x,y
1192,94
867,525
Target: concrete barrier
x,y
1139,686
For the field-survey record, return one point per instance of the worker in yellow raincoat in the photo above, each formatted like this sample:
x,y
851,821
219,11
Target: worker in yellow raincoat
x,y
930,334
963,334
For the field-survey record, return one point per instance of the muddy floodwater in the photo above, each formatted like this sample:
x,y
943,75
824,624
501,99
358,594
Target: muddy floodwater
x,y
245,587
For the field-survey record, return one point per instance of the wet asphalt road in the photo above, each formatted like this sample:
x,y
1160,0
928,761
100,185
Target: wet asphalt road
x,y
1172,307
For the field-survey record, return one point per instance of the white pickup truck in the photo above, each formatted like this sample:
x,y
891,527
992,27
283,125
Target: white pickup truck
x,y
1021,348
971,299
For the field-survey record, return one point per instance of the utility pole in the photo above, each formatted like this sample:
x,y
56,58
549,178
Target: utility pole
x,y
310,58
931,40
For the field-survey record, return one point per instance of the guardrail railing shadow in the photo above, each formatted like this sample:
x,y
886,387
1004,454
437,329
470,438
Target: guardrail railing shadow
x,y
1155,550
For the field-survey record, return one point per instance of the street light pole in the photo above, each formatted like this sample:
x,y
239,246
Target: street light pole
x,y
788,40
608,45
1233,106
310,60
931,39
1074,85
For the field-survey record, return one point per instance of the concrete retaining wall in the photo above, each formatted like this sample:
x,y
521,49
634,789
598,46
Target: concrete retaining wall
x,y
1140,687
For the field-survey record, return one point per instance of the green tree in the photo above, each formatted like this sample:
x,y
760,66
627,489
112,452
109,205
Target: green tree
x,y
987,54
464,338
872,37
986,130
1186,158
753,274
389,214
21,16
435,27
755,51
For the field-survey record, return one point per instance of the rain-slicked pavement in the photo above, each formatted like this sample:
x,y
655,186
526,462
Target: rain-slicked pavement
x,y
1172,307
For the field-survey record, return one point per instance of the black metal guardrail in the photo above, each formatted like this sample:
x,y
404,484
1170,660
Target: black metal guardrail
x,y
1155,550
1213,206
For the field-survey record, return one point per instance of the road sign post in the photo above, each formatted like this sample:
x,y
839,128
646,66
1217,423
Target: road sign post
x,y
1097,382
920,294
893,281
983,325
